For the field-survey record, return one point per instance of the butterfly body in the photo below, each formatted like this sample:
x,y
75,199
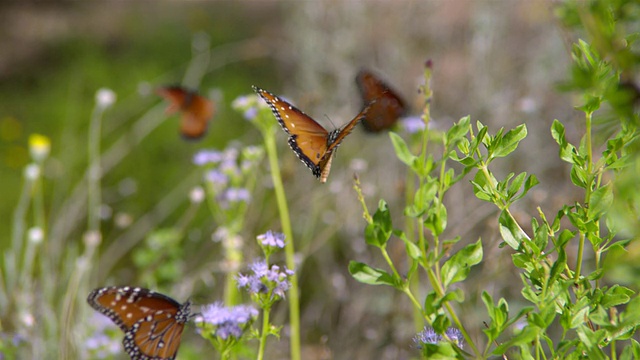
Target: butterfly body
x,y
152,322
389,106
196,110
312,143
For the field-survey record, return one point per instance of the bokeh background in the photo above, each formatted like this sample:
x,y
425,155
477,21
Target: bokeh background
x,y
498,61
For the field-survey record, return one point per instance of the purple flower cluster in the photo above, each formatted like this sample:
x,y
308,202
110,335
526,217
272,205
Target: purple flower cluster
x,y
100,345
265,280
228,321
272,239
204,157
429,336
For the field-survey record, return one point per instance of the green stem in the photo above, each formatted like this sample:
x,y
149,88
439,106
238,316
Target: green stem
x,y
264,333
587,195
294,297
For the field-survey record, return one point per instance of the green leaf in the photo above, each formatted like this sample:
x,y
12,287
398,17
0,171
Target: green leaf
x,y
368,275
511,232
600,202
458,266
412,249
509,142
436,220
402,150
524,337
566,150
615,296
379,231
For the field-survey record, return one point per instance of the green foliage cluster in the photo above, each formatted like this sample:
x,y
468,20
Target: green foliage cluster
x,y
573,313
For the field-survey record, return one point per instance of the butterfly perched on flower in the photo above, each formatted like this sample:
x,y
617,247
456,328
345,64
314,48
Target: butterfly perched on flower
x,y
312,143
389,106
152,322
196,109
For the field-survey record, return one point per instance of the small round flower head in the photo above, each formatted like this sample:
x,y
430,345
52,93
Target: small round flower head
x,y
204,157
196,195
429,336
412,124
105,98
272,239
39,147
227,321
455,336
35,234
32,171
426,336
217,178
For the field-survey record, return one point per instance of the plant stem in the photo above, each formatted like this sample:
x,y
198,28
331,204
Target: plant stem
x,y
264,333
294,297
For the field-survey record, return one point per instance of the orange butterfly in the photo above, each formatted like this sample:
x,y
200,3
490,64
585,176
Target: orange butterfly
x,y
152,322
388,107
312,143
196,109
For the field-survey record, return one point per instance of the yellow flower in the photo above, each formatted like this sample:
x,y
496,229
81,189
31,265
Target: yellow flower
x,y
39,147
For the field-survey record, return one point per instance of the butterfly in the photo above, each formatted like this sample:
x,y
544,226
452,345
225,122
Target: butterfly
x,y
312,143
152,322
388,107
196,109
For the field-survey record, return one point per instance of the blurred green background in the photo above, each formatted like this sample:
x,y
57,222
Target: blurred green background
x,y
498,61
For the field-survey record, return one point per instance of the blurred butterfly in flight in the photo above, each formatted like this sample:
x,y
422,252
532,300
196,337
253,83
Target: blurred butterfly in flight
x,y
152,322
388,108
312,143
196,109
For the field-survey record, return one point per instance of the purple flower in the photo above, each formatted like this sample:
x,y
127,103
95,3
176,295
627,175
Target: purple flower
x,y
272,239
429,336
237,195
412,124
265,280
250,113
228,321
207,156
217,178
99,345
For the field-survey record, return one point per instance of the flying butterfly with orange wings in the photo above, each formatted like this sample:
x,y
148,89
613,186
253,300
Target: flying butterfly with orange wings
x,y
196,109
312,143
389,106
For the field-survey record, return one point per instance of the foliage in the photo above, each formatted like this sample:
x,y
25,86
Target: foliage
x,y
572,313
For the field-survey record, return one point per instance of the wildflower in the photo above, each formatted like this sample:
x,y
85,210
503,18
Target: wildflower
x,y
272,239
250,113
227,321
426,336
196,195
39,147
105,98
35,234
429,336
217,178
204,157
101,345
233,195
267,284
412,124
32,171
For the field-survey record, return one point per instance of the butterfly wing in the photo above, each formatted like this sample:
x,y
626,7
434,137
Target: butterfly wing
x,y
388,107
152,322
335,139
196,110
156,336
307,138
